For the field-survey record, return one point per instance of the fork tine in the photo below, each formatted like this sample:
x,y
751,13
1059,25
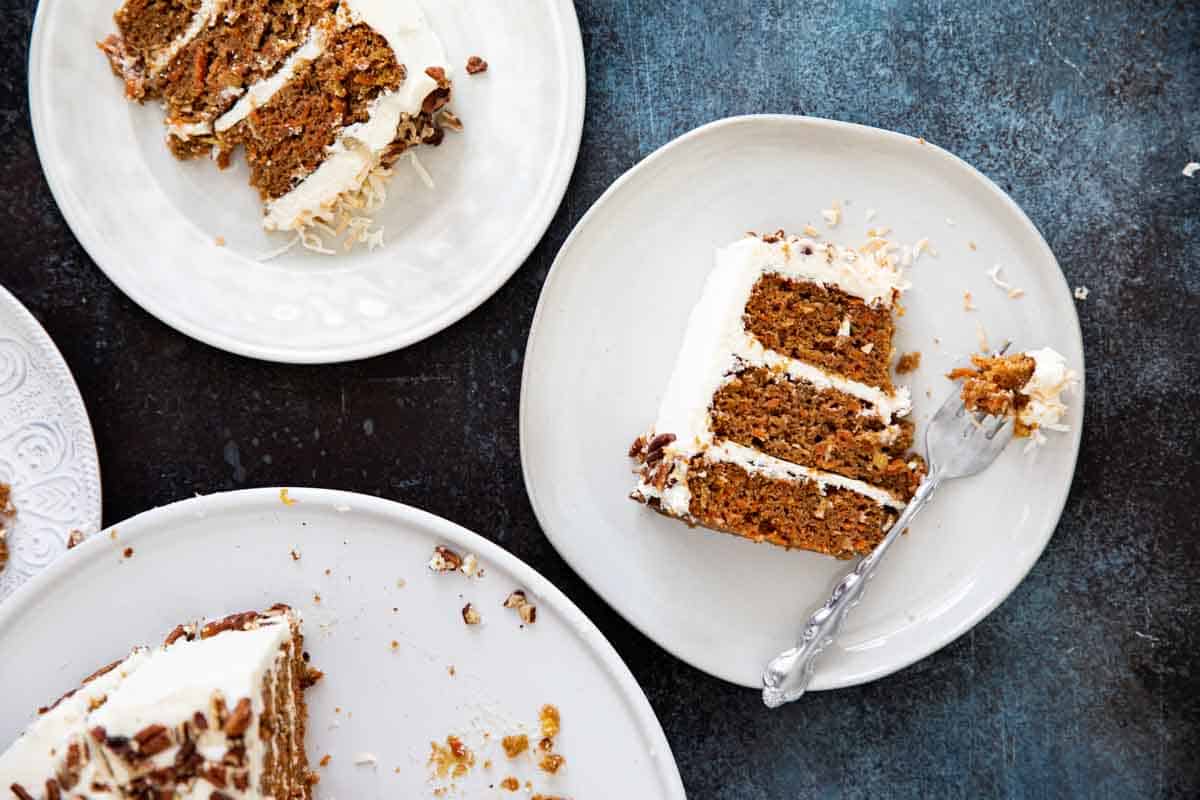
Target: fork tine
x,y
999,426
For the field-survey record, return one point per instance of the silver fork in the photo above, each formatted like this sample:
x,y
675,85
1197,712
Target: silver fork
x,y
957,444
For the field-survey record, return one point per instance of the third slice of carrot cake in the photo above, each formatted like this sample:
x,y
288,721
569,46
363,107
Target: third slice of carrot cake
x,y
780,422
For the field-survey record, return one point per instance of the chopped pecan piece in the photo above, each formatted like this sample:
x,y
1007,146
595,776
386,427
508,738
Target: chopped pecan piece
x,y
239,720
444,560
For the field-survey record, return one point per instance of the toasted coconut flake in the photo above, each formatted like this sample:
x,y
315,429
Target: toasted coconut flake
x,y
426,178
968,302
983,340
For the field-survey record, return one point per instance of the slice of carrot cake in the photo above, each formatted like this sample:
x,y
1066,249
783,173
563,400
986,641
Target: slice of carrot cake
x,y
216,712
323,96
1026,387
780,422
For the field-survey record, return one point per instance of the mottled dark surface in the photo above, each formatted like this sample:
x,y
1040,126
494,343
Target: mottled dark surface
x,y
1084,683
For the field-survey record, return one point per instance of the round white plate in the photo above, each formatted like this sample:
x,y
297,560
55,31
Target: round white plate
x,y
47,453
229,552
152,222
611,319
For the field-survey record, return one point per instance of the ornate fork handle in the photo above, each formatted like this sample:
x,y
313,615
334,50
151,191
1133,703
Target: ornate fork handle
x,y
787,675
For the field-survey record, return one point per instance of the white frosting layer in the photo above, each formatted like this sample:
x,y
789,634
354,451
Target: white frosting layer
x,y
41,749
205,15
359,148
261,93
758,463
1051,379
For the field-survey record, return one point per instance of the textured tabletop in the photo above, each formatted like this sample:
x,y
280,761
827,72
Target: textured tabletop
x,y
1085,682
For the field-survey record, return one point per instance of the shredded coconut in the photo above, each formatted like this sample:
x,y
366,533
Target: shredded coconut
x,y
1013,291
833,215
1191,168
870,214
426,178
983,340
844,328
1081,293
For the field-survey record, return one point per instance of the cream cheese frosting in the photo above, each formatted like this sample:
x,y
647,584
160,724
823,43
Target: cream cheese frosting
x,y
360,147
716,345
165,686
41,749
1050,380
205,16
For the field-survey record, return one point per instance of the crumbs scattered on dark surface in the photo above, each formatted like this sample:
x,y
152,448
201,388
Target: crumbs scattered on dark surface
x,y
1084,112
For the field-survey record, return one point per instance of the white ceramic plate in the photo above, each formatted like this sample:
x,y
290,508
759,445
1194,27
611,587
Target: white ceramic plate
x,y
232,551
47,453
604,339
151,222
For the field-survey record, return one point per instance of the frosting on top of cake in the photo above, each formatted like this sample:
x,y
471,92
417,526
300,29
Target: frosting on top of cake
x,y
39,751
360,146
1051,379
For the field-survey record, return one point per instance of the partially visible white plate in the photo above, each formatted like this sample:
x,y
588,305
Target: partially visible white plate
x,y
233,551
47,453
151,222
611,319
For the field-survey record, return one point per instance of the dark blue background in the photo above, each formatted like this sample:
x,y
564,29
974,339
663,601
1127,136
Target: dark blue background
x,y
1084,683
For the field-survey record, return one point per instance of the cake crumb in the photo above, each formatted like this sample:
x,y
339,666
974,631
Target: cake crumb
x,y
550,721
74,538
476,65
1081,292
285,499
1190,169
325,759
510,784
551,763
1016,293
451,671
972,246
219,241
908,362
809,230
515,745
395,645
294,554
454,760
128,553
470,615
969,302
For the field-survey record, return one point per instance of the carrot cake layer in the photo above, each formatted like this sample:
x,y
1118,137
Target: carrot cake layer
x,y
780,422
217,711
825,428
323,95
